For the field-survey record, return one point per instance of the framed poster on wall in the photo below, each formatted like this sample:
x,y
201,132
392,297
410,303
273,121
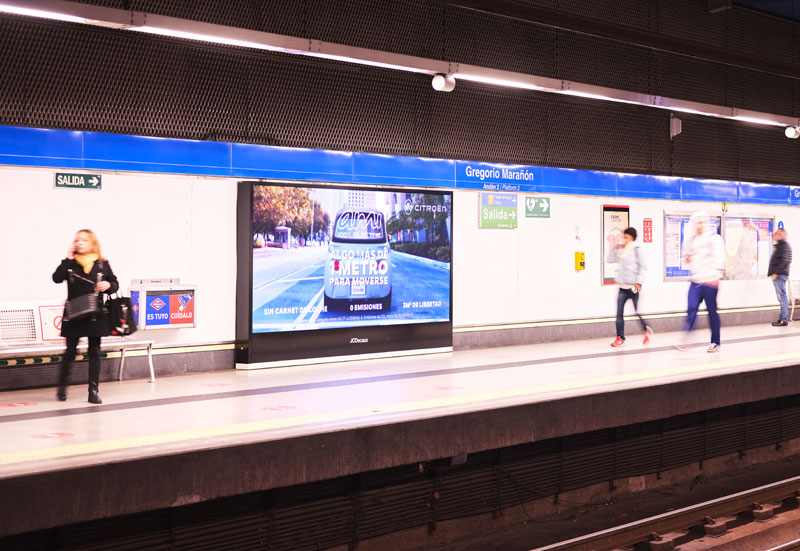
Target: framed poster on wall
x,y
748,246
615,219
677,232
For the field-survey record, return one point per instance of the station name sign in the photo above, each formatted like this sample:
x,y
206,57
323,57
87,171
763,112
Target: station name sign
x,y
497,177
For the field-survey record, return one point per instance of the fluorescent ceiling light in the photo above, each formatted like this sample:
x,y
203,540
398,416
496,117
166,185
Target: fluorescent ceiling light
x,y
17,10
601,97
688,110
498,81
362,61
756,120
203,37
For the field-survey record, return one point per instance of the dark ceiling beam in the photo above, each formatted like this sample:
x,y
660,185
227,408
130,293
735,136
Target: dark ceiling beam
x,y
636,37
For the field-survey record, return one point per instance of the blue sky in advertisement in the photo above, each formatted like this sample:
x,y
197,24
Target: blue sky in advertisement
x,y
40,147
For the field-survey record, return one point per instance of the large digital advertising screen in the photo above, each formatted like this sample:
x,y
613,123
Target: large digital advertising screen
x,y
345,258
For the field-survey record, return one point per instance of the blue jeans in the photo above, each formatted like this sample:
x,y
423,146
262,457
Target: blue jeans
x,y
622,298
703,293
780,291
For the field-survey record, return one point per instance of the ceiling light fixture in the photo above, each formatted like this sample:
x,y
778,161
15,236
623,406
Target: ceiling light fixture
x,y
443,83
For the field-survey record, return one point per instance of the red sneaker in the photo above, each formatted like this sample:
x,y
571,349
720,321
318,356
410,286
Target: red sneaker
x,y
617,342
647,336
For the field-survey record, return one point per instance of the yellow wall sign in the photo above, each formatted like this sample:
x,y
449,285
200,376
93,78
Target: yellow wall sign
x,y
580,261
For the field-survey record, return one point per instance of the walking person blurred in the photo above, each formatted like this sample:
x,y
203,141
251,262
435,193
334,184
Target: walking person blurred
x,y
778,271
632,268
705,255
86,272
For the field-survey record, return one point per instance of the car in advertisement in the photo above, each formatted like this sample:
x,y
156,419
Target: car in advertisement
x,y
358,268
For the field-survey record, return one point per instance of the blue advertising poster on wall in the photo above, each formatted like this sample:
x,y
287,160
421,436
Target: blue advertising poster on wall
x,y
332,257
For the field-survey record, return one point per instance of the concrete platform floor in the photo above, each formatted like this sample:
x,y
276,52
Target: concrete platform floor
x,y
213,410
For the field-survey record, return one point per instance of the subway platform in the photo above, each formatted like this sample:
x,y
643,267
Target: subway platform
x,y
195,438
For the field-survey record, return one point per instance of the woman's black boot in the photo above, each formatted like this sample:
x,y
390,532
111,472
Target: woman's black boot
x,y
94,397
94,370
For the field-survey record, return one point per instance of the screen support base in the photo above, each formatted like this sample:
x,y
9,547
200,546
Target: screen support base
x,y
347,358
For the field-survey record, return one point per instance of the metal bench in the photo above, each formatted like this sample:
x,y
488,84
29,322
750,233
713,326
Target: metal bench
x,y
21,338
793,290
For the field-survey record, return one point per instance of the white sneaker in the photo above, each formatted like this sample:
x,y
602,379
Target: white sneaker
x,y
712,348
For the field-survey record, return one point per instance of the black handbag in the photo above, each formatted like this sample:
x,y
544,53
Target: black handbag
x,y
83,306
119,314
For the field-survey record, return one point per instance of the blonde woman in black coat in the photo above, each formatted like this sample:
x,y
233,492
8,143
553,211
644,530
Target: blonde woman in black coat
x,y
90,273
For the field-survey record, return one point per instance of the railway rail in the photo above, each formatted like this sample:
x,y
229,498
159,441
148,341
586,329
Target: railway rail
x,y
713,516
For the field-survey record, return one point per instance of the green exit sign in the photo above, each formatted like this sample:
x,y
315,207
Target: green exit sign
x,y
78,181
537,207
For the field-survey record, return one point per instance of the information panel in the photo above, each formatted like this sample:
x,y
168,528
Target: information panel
x,y
615,219
676,229
498,211
748,246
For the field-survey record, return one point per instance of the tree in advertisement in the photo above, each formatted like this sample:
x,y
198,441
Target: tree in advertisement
x,y
422,227
322,221
275,207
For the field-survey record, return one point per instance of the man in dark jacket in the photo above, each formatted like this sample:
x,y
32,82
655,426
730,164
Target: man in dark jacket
x,y
779,272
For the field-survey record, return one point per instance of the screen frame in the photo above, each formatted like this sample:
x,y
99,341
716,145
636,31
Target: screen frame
x,y
291,346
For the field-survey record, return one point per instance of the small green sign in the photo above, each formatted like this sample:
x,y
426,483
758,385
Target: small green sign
x,y
537,207
498,211
78,181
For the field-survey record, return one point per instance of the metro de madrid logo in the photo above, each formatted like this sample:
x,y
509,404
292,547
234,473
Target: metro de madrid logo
x,y
409,207
158,304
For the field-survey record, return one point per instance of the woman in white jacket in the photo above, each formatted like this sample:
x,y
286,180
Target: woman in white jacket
x,y
705,255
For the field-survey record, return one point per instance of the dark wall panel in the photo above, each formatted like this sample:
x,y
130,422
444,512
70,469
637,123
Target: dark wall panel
x,y
471,37
482,123
691,79
689,20
707,147
582,58
761,35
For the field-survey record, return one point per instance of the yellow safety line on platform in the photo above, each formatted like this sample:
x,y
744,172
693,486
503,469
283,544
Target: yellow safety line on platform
x,y
366,412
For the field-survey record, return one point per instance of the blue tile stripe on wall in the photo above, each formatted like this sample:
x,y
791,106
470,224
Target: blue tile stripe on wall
x,y
41,147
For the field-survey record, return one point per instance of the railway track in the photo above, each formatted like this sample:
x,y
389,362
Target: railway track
x,y
714,517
